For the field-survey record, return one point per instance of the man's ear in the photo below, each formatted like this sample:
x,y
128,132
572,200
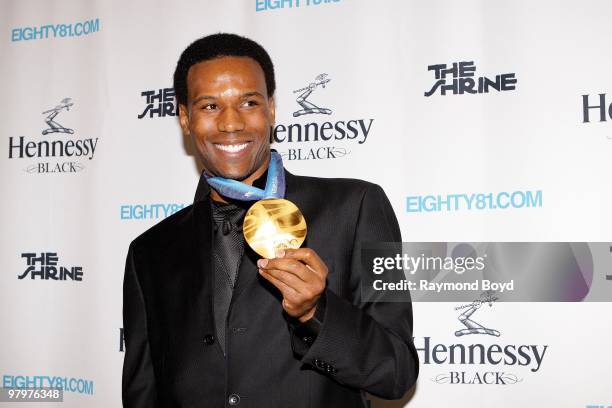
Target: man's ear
x,y
184,119
272,109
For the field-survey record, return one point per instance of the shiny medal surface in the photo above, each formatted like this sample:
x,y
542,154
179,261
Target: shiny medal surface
x,y
273,224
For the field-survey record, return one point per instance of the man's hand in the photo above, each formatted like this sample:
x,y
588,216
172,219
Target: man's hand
x,y
300,276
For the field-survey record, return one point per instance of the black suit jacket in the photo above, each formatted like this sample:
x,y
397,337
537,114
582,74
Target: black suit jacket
x,y
172,358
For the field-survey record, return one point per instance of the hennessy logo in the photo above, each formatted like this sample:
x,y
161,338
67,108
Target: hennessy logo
x,y
55,127
50,152
485,363
473,327
322,139
309,107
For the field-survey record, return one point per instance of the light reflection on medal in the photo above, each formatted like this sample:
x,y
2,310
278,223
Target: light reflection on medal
x,y
273,224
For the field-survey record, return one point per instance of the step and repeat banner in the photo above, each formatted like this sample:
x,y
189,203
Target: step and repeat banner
x,y
484,121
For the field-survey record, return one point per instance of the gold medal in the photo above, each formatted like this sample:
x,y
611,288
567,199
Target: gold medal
x,y
273,224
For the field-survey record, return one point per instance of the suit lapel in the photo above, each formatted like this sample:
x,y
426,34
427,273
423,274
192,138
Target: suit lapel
x,y
247,270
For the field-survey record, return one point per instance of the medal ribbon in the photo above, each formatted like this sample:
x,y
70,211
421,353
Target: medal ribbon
x,y
275,183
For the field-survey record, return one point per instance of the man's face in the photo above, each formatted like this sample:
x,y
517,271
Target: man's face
x,y
228,115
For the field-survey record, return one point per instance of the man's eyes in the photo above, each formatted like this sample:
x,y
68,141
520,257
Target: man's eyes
x,y
213,106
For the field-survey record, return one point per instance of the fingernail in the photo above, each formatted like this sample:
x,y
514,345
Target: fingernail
x,y
262,263
280,253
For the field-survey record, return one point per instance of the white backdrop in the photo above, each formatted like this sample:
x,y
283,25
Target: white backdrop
x,y
530,140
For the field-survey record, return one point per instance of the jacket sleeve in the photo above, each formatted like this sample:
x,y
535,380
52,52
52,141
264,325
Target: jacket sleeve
x,y
138,383
367,345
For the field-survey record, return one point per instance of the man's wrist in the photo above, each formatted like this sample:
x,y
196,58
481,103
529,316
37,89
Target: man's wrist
x,y
314,323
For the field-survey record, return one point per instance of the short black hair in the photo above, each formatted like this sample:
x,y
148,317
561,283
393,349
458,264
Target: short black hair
x,y
221,45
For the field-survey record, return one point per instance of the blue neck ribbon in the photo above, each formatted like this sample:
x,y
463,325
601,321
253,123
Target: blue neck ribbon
x,y
275,183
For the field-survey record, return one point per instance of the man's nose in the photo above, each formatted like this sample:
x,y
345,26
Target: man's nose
x,y
230,120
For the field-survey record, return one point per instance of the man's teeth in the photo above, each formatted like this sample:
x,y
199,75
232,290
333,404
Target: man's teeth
x,y
233,148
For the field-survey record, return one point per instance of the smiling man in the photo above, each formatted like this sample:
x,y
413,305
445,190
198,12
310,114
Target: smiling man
x,y
228,113
207,321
